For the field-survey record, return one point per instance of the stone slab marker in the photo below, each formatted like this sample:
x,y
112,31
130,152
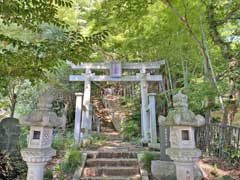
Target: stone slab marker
x,y
41,123
78,118
163,139
152,112
9,135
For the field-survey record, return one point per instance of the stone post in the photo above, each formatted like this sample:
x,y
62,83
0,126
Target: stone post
x,y
86,124
78,116
144,103
183,150
163,138
39,150
153,124
35,169
90,117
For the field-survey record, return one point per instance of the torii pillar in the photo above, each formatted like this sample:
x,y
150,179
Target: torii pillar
x,y
144,113
86,121
78,117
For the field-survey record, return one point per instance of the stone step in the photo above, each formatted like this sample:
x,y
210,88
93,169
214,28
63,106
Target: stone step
x,y
110,171
110,154
136,177
103,162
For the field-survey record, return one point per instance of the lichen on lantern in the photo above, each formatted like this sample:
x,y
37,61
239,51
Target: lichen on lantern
x,y
43,116
180,115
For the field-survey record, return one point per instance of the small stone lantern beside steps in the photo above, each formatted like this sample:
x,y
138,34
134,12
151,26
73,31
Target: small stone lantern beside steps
x,y
182,149
41,123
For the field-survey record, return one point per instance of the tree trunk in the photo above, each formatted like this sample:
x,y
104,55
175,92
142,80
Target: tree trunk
x,y
231,108
13,105
234,65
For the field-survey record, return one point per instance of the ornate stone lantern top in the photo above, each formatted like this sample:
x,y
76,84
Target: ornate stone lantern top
x,y
43,116
180,115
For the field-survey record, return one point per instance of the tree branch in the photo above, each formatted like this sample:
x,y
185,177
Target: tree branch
x,y
229,15
215,35
185,22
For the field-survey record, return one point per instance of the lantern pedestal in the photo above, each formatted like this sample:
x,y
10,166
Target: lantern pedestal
x,y
36,160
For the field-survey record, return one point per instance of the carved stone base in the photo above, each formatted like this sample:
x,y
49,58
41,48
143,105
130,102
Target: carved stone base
x,y
36,159
35,171
162,170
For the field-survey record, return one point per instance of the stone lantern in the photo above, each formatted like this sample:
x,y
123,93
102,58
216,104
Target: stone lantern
x,y
182,149
41,123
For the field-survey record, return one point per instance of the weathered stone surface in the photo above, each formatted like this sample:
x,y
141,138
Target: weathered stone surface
x,y
43,116
184,154
152,118
37,155
9,135
78,116
164,138
163,170
166,170
111,165
181,115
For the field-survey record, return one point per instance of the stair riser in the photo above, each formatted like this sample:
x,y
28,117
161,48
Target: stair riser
x,y
109,172
99,163
104,178
112,155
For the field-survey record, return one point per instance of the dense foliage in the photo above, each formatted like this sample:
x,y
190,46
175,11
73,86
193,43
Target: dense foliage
x,y
200,40
12,166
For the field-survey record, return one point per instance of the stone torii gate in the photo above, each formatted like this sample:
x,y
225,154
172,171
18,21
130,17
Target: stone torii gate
x,y
82,115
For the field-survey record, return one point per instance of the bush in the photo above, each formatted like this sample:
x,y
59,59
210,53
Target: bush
x,y
72,160
146,159
23,136
58,141
48,175
61,141
130,130
12,167
59,172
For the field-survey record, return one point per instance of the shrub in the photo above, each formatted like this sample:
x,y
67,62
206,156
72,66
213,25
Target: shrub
x,y
48,175
58,141
130,130
146,159
23,136
72,160
61,141
12,167
59,172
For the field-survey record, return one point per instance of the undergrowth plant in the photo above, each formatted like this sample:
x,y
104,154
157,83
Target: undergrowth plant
x,y
146,159
62,141
72,160
130,129
12,166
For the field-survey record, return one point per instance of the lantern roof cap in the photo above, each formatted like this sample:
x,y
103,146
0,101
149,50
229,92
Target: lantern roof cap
x,y
43,115
180,115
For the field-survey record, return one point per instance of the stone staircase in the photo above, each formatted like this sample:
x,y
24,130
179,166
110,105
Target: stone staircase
x,y
115,159
111,165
